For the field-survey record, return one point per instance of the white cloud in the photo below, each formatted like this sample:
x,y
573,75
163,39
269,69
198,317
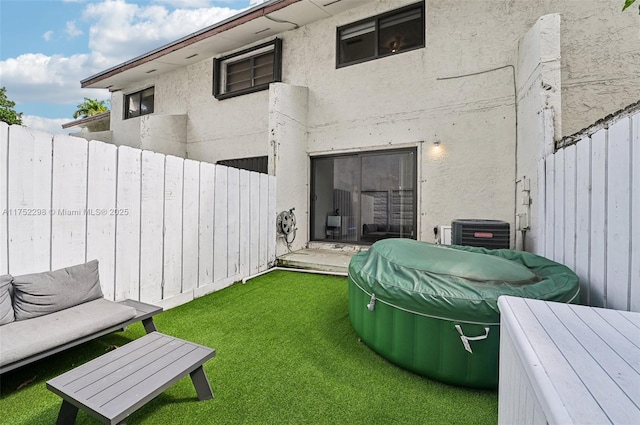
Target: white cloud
x,y
35,77
121,31
72,31
47,35
49,125
186,4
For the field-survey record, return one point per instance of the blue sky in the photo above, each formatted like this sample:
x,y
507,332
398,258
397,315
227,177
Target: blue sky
x,y
48,46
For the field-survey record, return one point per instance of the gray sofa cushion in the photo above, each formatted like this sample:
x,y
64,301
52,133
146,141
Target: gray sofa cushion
x,y
6,309
44,293
25,338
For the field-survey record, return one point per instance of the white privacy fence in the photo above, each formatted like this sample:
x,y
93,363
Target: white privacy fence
x,y
590,210
162,228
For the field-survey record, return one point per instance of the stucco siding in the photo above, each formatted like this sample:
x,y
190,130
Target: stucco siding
x,y
458,90
224,129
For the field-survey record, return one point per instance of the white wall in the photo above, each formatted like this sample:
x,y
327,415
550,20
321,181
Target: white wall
x,y
164,229
458,90
591,222
164,133
288,157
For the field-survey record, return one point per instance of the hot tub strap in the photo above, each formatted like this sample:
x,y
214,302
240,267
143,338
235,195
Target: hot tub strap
x,y
466,339
372,303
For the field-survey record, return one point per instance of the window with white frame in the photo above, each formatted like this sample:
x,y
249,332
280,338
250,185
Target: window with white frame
x,y
248,71
139,103
394,32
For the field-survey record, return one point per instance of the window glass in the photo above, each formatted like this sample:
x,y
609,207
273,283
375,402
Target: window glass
x,y
134,106
364,197
400,32
358,42
239,75
146,101
139,103
384,35
247,71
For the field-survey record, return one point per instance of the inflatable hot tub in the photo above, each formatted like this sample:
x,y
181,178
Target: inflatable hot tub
x,y
432,309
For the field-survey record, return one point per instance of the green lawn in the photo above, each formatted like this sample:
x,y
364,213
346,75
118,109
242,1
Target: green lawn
x,y
286,354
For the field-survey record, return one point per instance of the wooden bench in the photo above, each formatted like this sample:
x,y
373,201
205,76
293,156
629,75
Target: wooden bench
x,y
116,384
144,314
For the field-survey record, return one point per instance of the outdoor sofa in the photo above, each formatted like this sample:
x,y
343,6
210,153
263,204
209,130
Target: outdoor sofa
x,y
44,313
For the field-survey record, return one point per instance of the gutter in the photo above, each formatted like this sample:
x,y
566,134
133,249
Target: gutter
x,y
217,28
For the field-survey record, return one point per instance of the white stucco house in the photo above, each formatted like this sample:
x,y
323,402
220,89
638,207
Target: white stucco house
x,y
384,117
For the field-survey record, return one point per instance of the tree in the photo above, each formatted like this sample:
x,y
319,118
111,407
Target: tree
x,y
7,113
628,3
90,107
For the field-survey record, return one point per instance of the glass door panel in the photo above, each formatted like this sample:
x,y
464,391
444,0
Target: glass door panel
x,y
363,197
388,196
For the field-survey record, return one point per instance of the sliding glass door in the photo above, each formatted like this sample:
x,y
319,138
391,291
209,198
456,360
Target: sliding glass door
x,y
364,197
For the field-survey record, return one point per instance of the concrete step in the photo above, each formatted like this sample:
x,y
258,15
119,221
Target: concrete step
x,y
320,257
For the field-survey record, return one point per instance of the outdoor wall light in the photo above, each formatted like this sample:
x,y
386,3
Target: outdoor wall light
x,y
436,143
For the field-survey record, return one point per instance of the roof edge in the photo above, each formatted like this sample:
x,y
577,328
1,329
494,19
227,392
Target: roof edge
x,y
217,28
87,120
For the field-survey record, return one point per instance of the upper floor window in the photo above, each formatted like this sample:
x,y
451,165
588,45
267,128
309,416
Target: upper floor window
x,y
139,103
380,36
248,71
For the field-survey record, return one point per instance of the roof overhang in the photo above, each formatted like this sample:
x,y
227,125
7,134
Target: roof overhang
x,y
265,20
93,119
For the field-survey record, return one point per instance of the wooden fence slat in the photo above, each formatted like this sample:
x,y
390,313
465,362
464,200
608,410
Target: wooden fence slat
x,y
550,204
558,202
597,281
583,216
173,202
569,227
29,200
127,213
618,215
264,221
4,216
635,215
220,225
151,226
101,226
233,221
160,227
207,205
254,254
245,222
190,219
271,223
68,201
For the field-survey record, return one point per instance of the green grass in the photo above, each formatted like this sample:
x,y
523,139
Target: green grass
x,y
286,354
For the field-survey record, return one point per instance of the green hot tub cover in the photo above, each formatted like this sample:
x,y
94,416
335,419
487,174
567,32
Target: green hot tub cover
x,y
401,289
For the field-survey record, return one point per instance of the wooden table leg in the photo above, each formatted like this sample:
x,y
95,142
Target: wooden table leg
x,y
201,384
67,414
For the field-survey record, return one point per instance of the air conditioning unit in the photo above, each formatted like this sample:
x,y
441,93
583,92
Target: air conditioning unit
x,y
492,234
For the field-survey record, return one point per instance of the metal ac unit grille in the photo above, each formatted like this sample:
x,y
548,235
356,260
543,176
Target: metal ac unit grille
x,y
492,234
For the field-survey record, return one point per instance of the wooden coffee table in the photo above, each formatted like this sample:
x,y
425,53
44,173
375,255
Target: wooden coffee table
x,y
116,384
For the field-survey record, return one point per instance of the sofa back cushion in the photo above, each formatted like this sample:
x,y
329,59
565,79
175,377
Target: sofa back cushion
x,y
38,294
6,308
